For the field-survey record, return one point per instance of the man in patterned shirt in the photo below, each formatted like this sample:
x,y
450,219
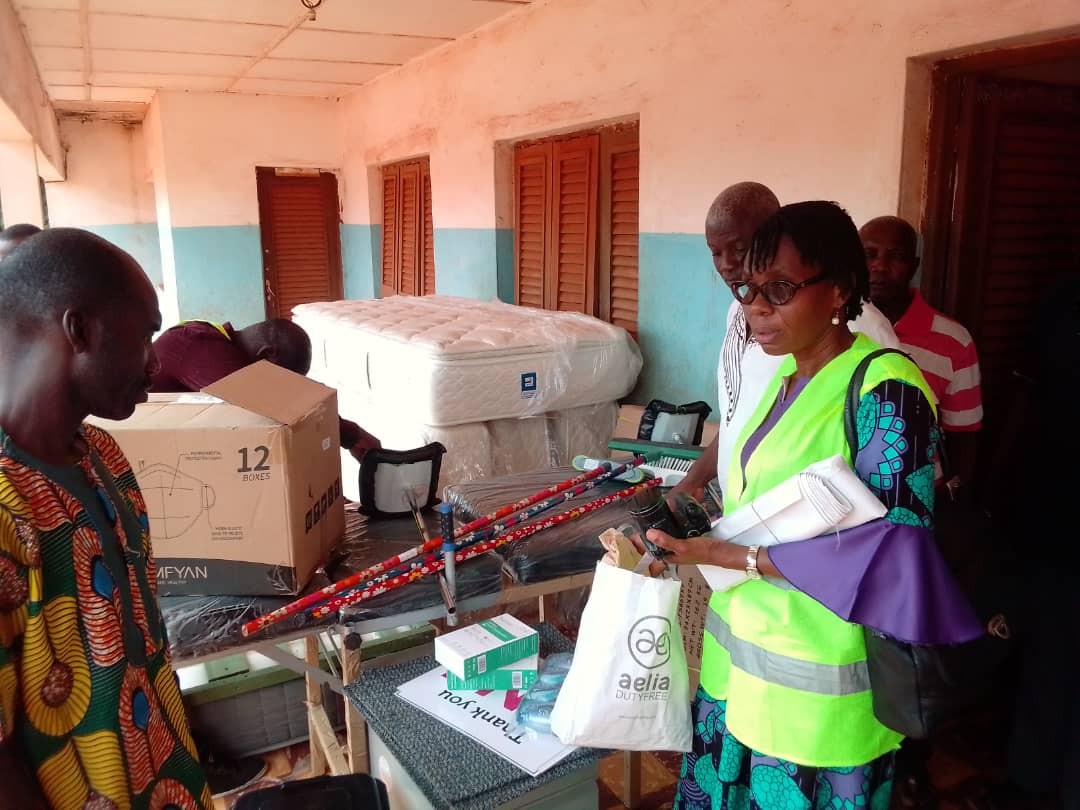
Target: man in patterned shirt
x,y
90,711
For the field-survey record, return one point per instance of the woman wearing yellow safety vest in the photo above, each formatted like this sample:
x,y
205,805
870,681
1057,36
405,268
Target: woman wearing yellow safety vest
x,y
783,717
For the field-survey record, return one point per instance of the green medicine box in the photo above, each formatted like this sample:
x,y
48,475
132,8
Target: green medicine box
x,y
519,675
486,646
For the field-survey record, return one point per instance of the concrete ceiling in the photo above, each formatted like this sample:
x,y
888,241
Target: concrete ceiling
x,y
112,55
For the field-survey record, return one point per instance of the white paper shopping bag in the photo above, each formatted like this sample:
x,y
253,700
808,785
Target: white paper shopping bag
x,y
628,688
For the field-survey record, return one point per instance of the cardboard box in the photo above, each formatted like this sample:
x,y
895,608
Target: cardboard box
x,y
693,608
519,675
242,482
486,645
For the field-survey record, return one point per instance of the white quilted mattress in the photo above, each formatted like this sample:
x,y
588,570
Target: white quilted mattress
x,y
441,360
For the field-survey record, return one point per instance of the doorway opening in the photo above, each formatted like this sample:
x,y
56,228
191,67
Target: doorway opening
x,y
992,181
300,224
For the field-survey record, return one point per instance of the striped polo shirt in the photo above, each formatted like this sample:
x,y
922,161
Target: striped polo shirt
x,y
945,352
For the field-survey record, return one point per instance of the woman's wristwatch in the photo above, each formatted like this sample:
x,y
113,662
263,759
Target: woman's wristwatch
x,y
751,562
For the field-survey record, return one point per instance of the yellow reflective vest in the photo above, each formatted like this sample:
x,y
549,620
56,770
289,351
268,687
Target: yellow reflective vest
x,y
793,672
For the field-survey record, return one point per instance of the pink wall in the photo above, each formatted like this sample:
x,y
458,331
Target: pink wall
x,y
804,95
202,150
108,189
807,96
212,142
108,181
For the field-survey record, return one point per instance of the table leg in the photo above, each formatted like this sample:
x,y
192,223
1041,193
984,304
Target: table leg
x,y
355,727
314,706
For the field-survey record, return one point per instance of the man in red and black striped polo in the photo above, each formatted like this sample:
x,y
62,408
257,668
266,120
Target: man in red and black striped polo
x,y
942,348
945,352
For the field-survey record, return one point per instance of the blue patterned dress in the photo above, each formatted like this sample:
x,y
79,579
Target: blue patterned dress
x,y
898,437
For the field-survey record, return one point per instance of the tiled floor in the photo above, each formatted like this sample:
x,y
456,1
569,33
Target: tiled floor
x,y
966,767
966,760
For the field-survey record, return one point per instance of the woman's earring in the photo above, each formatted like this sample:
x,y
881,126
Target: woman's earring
x,y
836,318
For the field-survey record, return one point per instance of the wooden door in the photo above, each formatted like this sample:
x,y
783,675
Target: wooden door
x,y
301,239
1014,232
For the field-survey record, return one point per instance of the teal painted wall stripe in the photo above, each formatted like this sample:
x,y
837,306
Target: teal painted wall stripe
x,y
361,258
466,262
504,263
219,275
681,311
682,303
140,239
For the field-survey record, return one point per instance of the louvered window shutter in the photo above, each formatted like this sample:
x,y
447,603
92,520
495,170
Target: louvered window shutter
x,y
409,241
1032,233
576,226
532,172
390,230
571,276
408,237
428,252
618,251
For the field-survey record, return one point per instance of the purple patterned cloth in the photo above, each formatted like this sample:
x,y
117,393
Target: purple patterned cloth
x,y
885,576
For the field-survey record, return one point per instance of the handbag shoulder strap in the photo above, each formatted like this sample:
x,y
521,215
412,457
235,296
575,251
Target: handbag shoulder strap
x,y
851,402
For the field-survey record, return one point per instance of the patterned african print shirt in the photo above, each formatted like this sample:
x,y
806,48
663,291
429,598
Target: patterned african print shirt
x,y
87,691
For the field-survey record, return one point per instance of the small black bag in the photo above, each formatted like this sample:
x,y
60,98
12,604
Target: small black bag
x,y
388,477
678,424
917,686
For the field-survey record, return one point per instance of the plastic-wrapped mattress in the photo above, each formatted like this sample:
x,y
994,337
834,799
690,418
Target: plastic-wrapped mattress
x,y
504,388
439,360
200,625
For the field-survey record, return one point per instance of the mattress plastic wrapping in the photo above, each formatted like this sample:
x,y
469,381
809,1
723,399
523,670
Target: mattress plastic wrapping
x,y
495,448
201,625
570,548
505,389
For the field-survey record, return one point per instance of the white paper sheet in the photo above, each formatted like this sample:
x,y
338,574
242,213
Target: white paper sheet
x,y
488,718
826,496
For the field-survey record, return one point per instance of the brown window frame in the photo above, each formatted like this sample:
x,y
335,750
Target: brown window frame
x,y
407,268
554,165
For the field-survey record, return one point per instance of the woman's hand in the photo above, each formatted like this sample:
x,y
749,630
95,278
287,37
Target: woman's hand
x,y
691,551
702,551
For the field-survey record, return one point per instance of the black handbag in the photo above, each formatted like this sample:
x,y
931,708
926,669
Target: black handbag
x,y
916,687
679,424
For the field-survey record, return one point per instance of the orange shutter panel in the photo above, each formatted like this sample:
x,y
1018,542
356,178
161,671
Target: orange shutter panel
x,y
1032,235
531,178
622,303
572,284
409,241
429,234
390,231
300,235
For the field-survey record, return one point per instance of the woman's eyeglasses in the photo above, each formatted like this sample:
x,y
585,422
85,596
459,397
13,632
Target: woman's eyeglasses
x,y
776,293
